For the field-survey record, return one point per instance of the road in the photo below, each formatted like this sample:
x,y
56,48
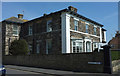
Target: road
x,y
13,70
16,72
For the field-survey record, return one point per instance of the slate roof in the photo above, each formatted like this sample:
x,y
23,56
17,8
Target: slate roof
x,y
15,20
70,12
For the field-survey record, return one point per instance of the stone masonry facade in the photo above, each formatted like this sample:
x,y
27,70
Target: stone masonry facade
x,y
63,31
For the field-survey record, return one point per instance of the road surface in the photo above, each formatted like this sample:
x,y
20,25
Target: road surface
x,y
16,72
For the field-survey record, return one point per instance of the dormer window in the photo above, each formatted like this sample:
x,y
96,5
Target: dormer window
x,y
49,26
76,25
30,30
15,30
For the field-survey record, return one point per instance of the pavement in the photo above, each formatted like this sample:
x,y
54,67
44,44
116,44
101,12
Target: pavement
x,y
55,72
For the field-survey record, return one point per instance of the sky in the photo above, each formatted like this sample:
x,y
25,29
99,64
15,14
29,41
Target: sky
x,y
105,13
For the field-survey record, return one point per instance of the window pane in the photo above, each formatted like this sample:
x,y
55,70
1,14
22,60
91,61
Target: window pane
x,y
15,30
76,25
77,49
88,46
73,49
76,28
14,27
38,48
30,30
80,46
49,26
94,30
86,28
74,43
77,43
49,46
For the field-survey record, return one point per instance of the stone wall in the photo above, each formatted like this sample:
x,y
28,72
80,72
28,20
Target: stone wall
x,y
82,27
40,33
7,35
73,62
116,66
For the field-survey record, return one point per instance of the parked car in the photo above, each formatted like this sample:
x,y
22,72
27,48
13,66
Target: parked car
x,y
2,70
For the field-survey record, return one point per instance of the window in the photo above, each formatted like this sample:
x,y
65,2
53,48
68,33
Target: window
x,y
76,25
49,26
30,30
86,28
88,46
77,46
15,30
38,48
48,46
94,30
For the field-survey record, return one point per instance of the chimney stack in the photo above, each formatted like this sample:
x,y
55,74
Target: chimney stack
x,y
117,34
72,9
20,16
44,14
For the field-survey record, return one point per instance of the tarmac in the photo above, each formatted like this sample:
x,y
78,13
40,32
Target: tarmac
x,y
56,72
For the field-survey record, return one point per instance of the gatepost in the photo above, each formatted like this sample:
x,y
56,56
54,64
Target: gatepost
x,y
107,59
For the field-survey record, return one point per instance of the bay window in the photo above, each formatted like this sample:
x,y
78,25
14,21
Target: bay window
x,y
77,46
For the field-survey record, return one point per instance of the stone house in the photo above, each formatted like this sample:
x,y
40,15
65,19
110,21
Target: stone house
x,y
10,31
115,42
63,31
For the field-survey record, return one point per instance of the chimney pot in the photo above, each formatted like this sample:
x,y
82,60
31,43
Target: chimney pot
x,y
20,16
45,14
117,34
72,9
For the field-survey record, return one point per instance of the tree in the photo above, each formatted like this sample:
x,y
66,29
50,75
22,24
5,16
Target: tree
x,y
19,47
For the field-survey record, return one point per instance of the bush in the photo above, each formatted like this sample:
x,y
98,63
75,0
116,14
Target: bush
x,y
19,47
115,55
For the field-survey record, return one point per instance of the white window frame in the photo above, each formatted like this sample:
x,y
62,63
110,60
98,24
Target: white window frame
x,y
15,30
76,24
30,30
95,30
86,28
49,27
77,41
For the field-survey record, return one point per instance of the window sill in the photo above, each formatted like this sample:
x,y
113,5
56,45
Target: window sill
x,y
15,35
